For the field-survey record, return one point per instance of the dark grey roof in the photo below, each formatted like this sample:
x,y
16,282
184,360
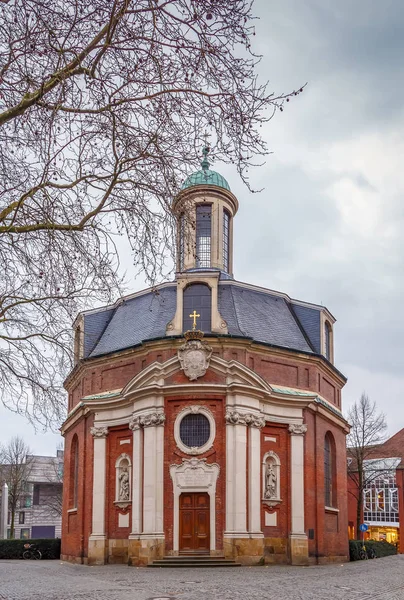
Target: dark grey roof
x,y
310,320
256,314
262,316
136,320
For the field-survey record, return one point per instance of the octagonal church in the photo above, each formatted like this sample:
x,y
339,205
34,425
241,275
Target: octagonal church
x,y
204,415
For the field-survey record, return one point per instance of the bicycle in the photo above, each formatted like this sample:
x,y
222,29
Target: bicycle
x,y
364,553
31,553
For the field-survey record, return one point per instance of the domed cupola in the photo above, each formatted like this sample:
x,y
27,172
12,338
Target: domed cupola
x,y
205,208
205,176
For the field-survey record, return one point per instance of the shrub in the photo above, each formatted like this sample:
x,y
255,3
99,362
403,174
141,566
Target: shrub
x,y
49,548
381,548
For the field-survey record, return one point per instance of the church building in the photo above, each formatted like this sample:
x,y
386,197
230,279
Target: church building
x,y
204,415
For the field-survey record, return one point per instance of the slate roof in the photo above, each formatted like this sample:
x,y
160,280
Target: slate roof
x,y
259,315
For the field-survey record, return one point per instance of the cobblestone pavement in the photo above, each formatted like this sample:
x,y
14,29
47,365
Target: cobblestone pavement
x,y
381,579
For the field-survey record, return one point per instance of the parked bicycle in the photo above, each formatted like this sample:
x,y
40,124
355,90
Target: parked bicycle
x,y
31,552
365,553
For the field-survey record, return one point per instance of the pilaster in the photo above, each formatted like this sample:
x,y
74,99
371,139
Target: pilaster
x,y
299,552
97,548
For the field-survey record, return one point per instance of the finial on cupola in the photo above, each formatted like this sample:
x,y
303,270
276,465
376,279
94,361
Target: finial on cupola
x,y
205,164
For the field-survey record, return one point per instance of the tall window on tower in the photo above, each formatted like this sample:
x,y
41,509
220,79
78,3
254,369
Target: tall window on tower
x,y
327,340
226,240
203,235
181,242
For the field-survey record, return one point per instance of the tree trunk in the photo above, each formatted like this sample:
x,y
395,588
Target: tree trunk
x,y
12,524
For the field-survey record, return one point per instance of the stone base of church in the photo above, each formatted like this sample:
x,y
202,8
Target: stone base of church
x,y
118,552
276,551
298,549
97,550
144,550
246,550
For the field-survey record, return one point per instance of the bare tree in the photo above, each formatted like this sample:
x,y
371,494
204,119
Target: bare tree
x,y
102,109
16,468
368,428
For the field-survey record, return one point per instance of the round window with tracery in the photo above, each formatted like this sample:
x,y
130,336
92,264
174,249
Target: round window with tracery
x,y
194,430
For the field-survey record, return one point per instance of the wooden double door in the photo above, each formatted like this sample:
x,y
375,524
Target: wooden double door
x,y
194,523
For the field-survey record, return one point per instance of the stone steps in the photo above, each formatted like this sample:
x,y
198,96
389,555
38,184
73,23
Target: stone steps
x,y
192,561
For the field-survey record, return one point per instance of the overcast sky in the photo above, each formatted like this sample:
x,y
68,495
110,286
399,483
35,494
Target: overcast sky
x,y
328,227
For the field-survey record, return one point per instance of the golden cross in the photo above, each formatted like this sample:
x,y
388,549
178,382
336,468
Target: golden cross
x,y
193,316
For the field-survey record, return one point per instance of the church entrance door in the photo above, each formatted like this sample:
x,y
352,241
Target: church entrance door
x,y
194,523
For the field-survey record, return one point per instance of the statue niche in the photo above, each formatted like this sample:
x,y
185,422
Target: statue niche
x,y
123,481
271,479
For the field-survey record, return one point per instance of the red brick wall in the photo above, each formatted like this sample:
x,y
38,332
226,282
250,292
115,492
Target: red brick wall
x,y
76,526
114,449
330,528
282,448
279,369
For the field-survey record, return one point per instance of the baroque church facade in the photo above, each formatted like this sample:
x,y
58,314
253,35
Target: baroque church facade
x,y
204,415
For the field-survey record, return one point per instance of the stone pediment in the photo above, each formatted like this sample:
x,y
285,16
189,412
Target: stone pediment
x,y
218,373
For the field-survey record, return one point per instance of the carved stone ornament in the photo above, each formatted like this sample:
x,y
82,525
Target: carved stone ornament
x,y
151,419
297,429
99,432
194,473
233,417
194,357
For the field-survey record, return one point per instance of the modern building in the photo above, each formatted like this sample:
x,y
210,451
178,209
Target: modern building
x,y
39,511
204,415
383,498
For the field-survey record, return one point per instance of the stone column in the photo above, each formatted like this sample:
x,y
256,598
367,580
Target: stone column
x,y
147,538
4,512
254,477
97,547
137,479
241,542
298,538
236,475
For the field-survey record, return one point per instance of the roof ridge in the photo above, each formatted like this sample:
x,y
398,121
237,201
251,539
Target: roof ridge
x,y
299,324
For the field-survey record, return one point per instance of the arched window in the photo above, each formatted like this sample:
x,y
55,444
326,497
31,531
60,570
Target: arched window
x,y
330,491
203,235
327,340
77,344
226,239
74,472
198,297
181,241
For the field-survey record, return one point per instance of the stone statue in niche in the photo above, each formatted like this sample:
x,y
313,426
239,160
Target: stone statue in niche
x,y
270,482
124,491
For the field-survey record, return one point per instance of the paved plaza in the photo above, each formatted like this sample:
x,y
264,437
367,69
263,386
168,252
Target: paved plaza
x,y
381,579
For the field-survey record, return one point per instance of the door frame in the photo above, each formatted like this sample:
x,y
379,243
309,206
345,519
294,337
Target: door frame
x,y
208,475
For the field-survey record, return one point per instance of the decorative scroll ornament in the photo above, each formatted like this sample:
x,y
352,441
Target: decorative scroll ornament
x,y
151,419
233,417
99,432
194,357
297,429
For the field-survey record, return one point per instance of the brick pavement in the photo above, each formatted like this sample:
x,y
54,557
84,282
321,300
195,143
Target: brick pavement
x,y
381,579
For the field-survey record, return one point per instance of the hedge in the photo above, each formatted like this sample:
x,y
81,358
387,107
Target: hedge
x,y
381,548
49,548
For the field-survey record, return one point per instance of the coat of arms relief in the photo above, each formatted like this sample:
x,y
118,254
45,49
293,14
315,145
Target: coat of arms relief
x,y
194,357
